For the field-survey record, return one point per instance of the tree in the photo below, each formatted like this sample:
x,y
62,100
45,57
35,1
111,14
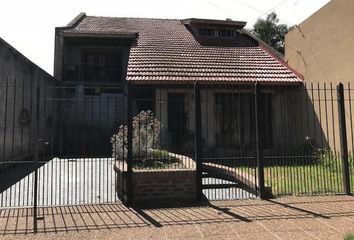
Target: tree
x,y
271,31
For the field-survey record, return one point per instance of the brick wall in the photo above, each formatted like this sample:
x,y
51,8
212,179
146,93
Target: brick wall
x,y
167,185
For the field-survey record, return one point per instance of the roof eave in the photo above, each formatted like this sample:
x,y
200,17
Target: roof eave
x,y
271,51
132,36
73,23
209,82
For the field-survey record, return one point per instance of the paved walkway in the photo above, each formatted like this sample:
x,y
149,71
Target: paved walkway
x,y
286,218
63,181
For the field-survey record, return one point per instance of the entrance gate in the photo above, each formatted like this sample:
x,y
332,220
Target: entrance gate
x,y
225,142
61,152
242,141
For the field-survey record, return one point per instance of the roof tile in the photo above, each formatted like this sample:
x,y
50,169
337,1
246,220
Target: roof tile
x,y
167,51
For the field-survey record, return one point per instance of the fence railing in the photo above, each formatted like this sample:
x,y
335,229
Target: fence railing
x,y
55,144
242,141
296,134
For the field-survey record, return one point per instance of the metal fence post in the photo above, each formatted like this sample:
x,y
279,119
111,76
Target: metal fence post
x,y
130,145
36,159
343,139
258,140
198,141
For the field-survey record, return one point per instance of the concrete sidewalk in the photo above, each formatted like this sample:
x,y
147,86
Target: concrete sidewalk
x,y
285,218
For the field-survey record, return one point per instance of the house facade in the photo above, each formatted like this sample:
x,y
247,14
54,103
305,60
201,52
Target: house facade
x,y
162,59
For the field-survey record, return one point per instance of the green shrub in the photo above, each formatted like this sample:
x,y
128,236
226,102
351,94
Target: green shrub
x,y
349,236
328,159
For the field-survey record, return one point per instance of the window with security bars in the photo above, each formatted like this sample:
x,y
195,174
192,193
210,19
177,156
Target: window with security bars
x,y
234,120
266,125
102,67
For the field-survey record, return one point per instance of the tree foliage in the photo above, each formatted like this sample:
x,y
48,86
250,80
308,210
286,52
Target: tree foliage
x,y
271,31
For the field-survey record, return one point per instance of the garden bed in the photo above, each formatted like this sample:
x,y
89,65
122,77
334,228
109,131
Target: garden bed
x,y
161,159
162,177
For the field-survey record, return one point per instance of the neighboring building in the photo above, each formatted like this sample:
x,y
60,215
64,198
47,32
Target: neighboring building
x,y
321,48
19,82
165,57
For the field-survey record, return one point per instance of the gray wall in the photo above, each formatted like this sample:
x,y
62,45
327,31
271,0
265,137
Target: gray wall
x,y
90,119
19,81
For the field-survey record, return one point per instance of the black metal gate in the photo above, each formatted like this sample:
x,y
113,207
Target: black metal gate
x,y
226,137
267,141
56,145
243,141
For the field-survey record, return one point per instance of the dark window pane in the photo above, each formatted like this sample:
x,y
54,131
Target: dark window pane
x,y
206,32
177,119
226,33
234,118
102,67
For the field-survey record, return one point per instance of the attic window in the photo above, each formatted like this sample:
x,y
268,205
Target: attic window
x,y
226,33
206,32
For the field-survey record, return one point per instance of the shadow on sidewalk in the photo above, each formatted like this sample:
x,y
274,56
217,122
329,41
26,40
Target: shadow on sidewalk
x,y
117,216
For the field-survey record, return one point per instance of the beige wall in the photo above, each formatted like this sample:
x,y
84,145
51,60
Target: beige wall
x,y
321,49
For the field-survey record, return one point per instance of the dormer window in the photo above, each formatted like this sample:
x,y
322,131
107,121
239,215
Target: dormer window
x,y
226,33
206,32
216,32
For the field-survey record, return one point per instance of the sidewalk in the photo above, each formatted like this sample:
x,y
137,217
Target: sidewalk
x,y
285,218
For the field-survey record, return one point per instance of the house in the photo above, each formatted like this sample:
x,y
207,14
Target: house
x,y
321,49
163,58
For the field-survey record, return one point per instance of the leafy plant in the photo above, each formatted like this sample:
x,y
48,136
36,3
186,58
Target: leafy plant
x,y
156,159
158,153
146,136
349,236
328,159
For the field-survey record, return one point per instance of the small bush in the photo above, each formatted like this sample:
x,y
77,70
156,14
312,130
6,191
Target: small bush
x,y
328,159
157,159
146,136
349,236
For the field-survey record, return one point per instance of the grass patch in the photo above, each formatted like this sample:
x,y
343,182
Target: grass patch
x,y
310,179
349,236
322,176
319,174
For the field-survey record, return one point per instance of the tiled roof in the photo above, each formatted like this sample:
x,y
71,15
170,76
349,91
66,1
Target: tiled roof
x,y
167,51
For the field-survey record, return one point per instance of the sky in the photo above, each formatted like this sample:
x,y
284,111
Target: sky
x,y
28,25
